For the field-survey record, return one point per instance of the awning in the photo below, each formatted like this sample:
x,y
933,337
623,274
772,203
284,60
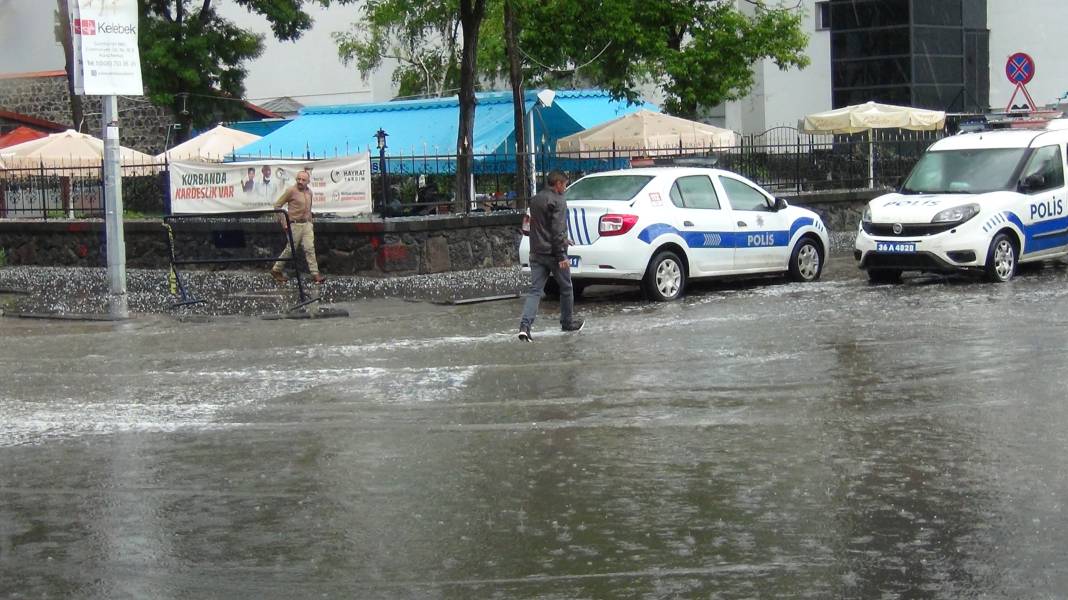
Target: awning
x,y
420,131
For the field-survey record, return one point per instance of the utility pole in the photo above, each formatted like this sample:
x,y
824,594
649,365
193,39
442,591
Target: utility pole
x,y
116,243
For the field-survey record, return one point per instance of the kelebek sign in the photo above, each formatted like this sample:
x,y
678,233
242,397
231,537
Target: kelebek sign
x,y
104,40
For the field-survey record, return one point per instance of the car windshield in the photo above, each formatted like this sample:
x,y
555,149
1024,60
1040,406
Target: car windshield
x,y
609,187
964,171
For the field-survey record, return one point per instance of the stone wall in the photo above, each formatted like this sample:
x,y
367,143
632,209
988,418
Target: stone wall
x,y
143,125
393,248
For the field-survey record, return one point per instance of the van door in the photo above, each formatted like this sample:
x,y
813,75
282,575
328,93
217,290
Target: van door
x,y
1044,217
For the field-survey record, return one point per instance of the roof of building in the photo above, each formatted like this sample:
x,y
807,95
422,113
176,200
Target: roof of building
x,y
260,127
33,122
20,134
33,74
417,128
282,106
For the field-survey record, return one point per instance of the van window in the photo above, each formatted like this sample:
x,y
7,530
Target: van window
x,y
961,171
1044,170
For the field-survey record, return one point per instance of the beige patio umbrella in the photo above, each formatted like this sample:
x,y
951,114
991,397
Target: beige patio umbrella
x,y
63,153
872,115
213,145
648,133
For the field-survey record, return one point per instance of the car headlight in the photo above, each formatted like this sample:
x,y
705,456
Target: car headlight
x,y
866,217
957,214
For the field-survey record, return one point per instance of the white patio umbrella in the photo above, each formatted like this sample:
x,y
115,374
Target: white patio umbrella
x,y
648,133
69,150
213,145
872,115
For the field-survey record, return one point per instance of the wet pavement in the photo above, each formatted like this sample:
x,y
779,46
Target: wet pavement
x,y
767,440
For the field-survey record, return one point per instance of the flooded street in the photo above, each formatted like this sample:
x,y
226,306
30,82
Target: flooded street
x,y
767,440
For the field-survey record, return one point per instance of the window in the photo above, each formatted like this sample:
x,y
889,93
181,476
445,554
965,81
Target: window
x,y
611,187
744,196
1044,170
695,191
964,171
823,16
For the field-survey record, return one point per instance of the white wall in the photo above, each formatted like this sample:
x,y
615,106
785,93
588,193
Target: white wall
x,y
27,41
308,69
1039,28
782,97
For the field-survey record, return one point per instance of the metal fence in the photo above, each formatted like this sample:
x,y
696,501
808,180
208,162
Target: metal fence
x,y
77,191
783,160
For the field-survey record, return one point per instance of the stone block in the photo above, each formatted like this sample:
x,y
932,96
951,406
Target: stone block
x,y
436,251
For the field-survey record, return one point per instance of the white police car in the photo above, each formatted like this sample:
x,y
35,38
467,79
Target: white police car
x,y
661,227
981,202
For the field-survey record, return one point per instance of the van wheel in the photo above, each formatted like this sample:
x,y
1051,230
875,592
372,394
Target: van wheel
x,y
806,261
665,277
1001,259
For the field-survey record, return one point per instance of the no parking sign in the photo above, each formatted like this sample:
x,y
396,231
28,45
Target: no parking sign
x,y
1020,70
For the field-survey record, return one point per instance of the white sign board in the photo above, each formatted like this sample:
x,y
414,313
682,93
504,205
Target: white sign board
x,y
104,40
340,186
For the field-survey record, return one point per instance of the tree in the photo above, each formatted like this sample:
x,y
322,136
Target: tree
x,y
63,36
192,59
515,79
699,53
436,43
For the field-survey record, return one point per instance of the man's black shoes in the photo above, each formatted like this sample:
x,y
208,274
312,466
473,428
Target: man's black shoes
x,y
524,334
574,325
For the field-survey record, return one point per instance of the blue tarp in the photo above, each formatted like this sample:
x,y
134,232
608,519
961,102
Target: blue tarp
x,y
422,133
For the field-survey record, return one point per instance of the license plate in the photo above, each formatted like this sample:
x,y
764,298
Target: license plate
x,y
574,261
895,247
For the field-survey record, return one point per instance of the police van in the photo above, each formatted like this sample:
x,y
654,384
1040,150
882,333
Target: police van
x,y
980,202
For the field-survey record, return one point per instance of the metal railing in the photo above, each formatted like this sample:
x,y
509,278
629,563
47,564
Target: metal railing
x,y
75,191
783,160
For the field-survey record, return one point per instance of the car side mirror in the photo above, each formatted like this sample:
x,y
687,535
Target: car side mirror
x,y
780,204
1031,183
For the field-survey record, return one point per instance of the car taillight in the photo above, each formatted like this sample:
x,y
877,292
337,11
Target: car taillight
x,y
525,227
612,224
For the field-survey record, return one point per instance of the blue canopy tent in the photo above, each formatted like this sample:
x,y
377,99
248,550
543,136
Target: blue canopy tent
x,y
422,133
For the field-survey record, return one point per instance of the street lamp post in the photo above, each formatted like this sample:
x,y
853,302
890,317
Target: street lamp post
x,y
381,135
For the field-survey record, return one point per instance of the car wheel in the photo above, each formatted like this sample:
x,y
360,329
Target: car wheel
x,y
665,277
552,289
1001,259
884,276
806,261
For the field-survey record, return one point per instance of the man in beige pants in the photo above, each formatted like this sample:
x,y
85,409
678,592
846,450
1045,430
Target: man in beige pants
x,y
299,199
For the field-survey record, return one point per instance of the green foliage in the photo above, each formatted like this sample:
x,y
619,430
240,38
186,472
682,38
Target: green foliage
x,y
424,37
3,257
142,195
699,53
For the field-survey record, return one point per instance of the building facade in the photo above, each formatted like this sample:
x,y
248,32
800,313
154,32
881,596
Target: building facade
x,y
942,54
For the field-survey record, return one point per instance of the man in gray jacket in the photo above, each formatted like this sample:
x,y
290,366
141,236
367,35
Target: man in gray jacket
x,y
548,255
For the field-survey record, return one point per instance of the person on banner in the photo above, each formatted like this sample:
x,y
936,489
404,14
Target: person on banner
x,y
250,181
299,201
266,187
548,255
